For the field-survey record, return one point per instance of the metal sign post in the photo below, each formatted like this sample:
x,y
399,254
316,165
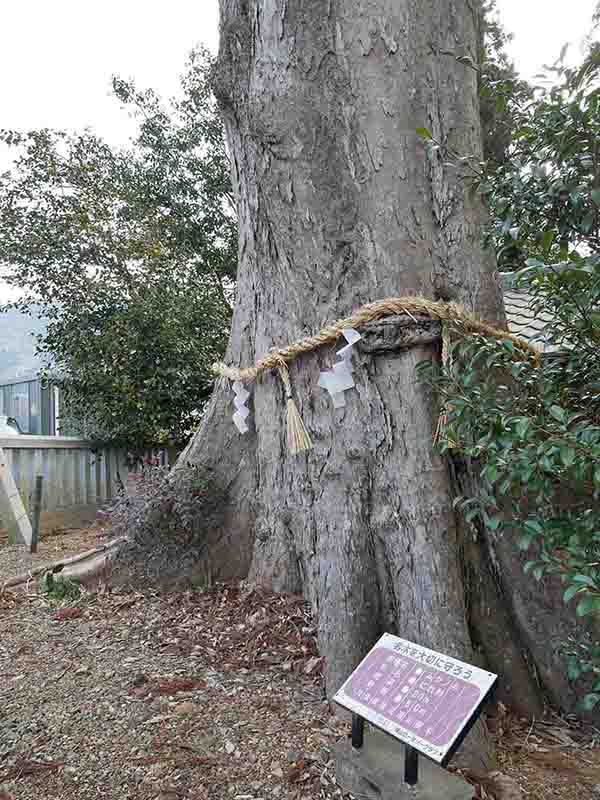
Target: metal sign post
x,y
425,699
411,756
411,765
358,731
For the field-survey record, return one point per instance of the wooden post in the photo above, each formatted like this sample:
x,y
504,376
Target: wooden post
x,y
11,506
37,510
108,472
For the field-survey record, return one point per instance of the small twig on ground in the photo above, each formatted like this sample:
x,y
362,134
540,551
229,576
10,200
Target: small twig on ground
x,y
528,734
27,767
127,603
188,747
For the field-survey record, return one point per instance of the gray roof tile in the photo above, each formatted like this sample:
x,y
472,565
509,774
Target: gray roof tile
x,y
524,322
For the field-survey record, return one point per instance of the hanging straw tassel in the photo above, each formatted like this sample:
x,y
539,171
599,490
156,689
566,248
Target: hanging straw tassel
x,y
446,362
298,438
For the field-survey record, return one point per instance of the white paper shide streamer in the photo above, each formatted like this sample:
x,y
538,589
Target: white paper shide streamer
x,y
339,379
241,395
336,381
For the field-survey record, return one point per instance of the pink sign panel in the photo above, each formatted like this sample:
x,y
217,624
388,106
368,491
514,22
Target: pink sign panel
x,y
417,695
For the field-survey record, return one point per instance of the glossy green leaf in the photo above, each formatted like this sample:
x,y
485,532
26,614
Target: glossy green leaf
x,y
568,455
547,239
586,605
590,701
570,593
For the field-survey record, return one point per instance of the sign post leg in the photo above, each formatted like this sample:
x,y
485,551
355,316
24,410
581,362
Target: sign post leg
x,y
411,765
358,731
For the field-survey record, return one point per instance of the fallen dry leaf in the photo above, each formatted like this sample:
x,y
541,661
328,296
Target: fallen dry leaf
x,y
296,772
68,613
261,691
174,685
186,708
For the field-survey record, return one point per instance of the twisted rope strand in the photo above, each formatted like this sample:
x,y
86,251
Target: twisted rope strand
x,y
449,313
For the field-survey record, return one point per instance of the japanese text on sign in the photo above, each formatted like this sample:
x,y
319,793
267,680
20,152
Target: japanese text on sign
x,y
415,694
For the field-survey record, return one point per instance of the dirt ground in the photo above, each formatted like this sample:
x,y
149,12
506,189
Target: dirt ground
x,y
55,544
204,695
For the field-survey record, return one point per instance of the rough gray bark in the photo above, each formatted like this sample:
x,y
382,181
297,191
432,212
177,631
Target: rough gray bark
x,y
339,204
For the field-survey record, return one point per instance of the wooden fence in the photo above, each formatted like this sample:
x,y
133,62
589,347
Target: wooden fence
x,y
76,472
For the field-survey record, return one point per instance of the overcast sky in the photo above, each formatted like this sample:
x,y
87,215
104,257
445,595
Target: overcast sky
x,y
57,56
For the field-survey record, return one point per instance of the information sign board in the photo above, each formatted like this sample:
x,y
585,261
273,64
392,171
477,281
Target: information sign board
x,y
425,699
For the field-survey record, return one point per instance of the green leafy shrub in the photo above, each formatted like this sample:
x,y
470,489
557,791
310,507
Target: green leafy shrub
x,y
534,426
130,255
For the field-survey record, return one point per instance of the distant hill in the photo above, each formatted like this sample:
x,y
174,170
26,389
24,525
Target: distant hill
x,y
17,345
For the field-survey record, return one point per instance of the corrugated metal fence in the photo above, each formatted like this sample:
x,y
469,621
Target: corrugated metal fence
x,y
76,472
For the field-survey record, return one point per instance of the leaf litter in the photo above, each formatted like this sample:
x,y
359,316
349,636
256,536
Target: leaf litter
x,y
205,695
211,694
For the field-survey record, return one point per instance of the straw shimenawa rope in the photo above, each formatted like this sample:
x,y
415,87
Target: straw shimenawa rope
x,y
452,316
449,314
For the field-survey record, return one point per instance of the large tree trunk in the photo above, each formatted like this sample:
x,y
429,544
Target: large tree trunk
x,y
340,204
